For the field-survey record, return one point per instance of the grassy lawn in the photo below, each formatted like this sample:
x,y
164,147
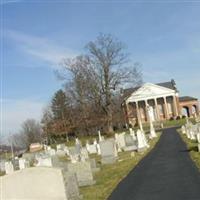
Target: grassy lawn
x,y
193,149
110,175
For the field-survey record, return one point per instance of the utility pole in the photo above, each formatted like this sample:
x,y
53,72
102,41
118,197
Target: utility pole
x,y
11,146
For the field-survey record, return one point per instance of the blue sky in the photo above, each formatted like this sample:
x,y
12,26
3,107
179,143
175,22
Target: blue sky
x,y
164,36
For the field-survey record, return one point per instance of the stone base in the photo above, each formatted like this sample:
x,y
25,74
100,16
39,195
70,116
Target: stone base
x,y
108,160
141,149
86,183
130,148
95,169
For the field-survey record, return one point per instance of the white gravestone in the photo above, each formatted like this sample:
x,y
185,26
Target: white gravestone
x,y
152,131
9,168
84,154
120,140
140,139
132,133
23,163
183,130
44,161
74,154
99,134
91,148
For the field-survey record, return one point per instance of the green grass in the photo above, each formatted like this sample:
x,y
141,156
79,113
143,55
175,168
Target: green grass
x,y
193,149
110,175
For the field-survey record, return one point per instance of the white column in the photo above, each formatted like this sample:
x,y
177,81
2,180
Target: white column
x,y
138,116
157,111
146,112
166,108
175,106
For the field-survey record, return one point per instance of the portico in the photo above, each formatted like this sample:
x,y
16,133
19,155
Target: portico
x,y
162,100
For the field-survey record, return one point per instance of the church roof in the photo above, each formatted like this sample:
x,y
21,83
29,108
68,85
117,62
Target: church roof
x,y
170,85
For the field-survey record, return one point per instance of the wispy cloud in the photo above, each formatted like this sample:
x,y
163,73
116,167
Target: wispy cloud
x,y
40,47
15,111
3,2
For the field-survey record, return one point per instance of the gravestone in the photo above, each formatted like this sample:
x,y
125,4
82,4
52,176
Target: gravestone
x,y
83,172
51,152
84,154
9,168
183,130
132,133
108,151
141,143
152,131
100,137
71,186
120,140
44,161
29,156
130,143
74,154
39,183
60,153
23,163
145,139
2,165
60,146
93,165
15,162
91,148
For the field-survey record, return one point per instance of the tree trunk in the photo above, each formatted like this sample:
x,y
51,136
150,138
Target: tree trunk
x,y
109,124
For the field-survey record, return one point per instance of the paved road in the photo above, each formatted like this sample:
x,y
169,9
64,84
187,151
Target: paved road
x,y
167,173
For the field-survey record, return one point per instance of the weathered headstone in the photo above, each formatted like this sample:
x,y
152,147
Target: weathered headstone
x,y
71,186
140,139
132,133
120,140
2,165
93,165
74,154
44,161
23,163
9,168
83,172
91,148
183,130
15,162
39,183
130,143
108,151
84,154
152,131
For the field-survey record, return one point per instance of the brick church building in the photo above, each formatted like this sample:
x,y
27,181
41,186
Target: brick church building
x,y
164,100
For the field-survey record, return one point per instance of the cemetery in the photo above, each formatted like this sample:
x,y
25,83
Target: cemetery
x,y
190,133
78,169
91,168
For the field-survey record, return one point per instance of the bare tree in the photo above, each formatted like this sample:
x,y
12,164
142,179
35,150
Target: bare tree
x,y
98,75
31,132
108,57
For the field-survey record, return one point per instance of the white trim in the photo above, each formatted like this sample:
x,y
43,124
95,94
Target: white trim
x,y
151,93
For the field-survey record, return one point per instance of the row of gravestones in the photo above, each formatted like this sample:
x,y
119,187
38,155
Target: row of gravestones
x,y
77,172
192,131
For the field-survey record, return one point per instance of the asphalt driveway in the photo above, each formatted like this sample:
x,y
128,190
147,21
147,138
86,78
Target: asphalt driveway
x,y
166,173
